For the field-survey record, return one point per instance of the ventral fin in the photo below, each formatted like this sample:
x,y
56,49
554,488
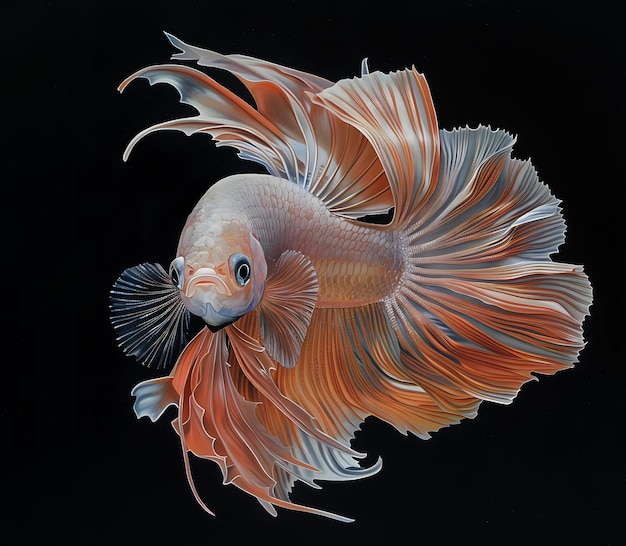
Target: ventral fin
x,y
287,305
153,397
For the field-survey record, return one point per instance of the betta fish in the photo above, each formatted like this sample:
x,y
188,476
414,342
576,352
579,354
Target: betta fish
x,y
314,315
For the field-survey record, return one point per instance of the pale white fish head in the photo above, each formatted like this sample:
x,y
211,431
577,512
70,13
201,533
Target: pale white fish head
x,y
220,269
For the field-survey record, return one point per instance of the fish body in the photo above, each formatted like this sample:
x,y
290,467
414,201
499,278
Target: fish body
x,y
356,263
317,318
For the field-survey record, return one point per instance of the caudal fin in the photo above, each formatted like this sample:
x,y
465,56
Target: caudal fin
x,y
480,305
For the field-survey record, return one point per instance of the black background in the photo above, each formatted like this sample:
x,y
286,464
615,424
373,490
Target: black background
x,y
79,468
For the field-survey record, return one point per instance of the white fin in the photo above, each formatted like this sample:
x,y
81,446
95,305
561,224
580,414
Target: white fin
x,y
288,133
154,396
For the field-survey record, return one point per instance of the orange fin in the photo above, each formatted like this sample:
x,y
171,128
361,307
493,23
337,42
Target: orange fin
x,y
222,114
481,306
219,420
257,365
287,305
396,113
351,367
334,161
294,138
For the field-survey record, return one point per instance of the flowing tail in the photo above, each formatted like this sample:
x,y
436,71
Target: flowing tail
x,y
480,306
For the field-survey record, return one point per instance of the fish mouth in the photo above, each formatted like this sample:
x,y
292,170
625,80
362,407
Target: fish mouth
x,y
206,276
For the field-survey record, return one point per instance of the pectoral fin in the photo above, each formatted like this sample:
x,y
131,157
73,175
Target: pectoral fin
x,y
287,305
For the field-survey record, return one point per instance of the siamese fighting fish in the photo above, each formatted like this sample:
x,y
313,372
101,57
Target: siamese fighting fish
x,y
315,316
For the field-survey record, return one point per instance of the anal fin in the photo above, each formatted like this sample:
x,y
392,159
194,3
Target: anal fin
x,y
352,367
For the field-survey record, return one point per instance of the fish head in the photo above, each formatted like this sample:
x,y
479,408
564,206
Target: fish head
x,y
220,270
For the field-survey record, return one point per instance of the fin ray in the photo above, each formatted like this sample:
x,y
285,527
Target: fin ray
x,y
351,367
288,133
287,305
148,315
396,114
217,422
481,306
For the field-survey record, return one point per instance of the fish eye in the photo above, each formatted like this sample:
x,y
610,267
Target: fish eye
x,y
241,268
176,272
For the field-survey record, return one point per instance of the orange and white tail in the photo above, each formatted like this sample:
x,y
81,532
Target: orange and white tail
x,y
481,306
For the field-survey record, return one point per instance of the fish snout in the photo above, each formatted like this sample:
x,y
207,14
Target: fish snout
x,y
205,277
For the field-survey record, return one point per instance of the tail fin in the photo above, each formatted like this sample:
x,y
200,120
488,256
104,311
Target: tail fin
x,y
480,305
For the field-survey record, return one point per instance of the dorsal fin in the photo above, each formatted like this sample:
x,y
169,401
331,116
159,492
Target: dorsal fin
x,y
222,114
288,133
287,305
396,113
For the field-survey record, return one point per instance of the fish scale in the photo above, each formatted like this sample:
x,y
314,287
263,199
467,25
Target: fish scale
x,y
356,263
